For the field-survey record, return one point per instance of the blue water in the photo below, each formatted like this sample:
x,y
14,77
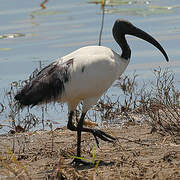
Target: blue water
x,y
65,26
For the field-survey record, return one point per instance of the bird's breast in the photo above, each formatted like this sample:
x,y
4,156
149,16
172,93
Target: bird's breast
x,y
90,79
92,72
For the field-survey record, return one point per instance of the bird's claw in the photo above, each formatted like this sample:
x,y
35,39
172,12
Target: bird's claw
x,y
77,162
102,135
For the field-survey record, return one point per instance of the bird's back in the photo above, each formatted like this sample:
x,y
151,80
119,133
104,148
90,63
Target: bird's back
x,y
92,72
86,72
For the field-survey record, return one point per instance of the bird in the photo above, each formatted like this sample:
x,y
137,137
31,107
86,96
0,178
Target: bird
x,y
83,76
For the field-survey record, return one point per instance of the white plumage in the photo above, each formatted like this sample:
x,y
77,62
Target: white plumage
x,y
93,70
84,75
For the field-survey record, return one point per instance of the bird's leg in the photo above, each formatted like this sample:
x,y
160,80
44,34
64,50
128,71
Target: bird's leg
x,y
71,127
70,124
79,129
96,132
100,134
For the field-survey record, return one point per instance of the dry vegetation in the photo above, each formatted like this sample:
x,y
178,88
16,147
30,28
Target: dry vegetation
x,y
145,120
137,154
146,123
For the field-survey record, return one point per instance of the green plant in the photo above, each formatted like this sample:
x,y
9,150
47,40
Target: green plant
x,y
92,161
16,169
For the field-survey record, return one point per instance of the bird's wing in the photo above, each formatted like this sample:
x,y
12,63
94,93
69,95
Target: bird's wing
x,y
48,85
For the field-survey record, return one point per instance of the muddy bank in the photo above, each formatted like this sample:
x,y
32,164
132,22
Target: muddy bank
x,y
137,154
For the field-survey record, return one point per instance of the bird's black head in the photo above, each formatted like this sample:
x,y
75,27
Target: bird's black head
x,y
122,27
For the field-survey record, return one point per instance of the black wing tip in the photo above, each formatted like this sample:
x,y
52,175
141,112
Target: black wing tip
x,y
18,103
21,100
47,86
17,97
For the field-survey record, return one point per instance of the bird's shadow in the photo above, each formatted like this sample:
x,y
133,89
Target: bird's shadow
x,y
93,165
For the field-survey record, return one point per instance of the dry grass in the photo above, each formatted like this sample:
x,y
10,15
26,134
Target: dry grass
x,y
143,151
158,100
137,154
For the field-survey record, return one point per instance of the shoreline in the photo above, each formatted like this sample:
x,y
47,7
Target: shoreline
x,y
137,154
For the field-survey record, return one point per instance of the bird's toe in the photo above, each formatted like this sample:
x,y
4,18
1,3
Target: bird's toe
x,y
102,135
77,162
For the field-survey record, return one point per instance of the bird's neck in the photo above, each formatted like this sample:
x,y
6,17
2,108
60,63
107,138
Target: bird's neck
x,y
126,51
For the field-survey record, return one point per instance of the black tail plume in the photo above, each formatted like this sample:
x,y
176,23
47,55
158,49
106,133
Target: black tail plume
x,y
47,86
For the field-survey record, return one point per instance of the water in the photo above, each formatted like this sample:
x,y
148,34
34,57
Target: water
x,y
29,34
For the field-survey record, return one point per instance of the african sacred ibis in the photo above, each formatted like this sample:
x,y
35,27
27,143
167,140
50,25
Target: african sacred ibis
x,y
84,75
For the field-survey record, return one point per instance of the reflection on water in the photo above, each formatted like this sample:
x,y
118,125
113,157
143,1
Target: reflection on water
x,y
43,4
137,7
61,27
10,36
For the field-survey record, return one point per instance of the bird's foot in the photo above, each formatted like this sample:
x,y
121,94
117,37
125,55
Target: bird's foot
x,y
78,162
102,135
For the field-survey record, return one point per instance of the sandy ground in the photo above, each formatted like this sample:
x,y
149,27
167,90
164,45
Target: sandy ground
x,y
137,154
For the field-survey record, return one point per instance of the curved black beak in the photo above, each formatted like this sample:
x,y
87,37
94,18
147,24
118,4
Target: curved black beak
x,y
145,36
123,27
